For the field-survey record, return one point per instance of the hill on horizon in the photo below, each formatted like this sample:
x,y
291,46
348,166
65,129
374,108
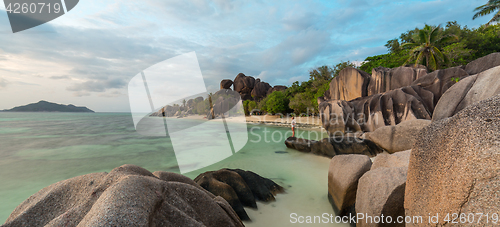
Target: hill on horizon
x,y
44,106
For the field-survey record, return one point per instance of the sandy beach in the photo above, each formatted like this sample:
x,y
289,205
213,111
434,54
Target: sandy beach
x,y
302,122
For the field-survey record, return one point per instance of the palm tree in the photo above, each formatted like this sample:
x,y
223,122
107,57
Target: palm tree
x,y
425,47
490,7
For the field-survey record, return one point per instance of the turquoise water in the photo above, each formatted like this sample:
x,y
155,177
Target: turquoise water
x,y
38,149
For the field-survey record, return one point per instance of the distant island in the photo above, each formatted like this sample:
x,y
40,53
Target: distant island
x,y
44,106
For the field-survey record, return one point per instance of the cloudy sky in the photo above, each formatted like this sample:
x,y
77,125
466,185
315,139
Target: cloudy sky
x,y
88,56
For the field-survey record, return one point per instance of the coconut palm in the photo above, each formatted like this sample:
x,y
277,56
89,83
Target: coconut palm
x,y
425,47
490,7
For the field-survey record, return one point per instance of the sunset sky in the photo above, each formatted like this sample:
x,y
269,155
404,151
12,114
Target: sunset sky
x,y
88,56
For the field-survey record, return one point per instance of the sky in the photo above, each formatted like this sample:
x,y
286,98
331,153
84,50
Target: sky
x,y
88,56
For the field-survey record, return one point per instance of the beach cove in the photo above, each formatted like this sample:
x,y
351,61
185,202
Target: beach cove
x,y
40,149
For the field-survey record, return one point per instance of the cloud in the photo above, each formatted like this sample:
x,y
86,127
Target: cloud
x,y
98,85
97,49
3,83
60,77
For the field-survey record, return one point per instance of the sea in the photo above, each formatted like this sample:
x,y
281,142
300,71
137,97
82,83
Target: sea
x,y
39,149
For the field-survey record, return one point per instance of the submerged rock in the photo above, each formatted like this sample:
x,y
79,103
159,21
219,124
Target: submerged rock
x,y
240,188
303,145
332,146
454,165
127,196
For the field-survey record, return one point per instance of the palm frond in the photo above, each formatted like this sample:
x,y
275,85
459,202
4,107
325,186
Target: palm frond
x,y
410,45
495,18
434,33
419,58
422,36
446,39
438,52
485,10
431,61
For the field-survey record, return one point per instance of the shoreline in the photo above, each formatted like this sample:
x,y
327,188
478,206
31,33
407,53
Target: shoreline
x,y
273,120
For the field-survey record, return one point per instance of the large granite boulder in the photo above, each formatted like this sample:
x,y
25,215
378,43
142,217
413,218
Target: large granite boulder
x,y
369,113
381,193
343,176
329,147
399,159
190,103
276,88
398,137
226,84
382,99
224,103
468,91
243,83
381,190
454,166
302,145
240,188
338,116
482,64
260,90
127,196
439,81
351,83
167,111
198,99
385,79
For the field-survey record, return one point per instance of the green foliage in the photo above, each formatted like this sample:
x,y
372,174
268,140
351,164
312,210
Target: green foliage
x,y
424,48
248,106
252,105
301,103
277,102
295,89
457,54
306,94
342,65
202,107
455,79
435,46
245,107
262,104
390,60
468,45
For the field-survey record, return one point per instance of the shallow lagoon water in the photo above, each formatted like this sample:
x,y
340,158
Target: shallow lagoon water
x,y
39,149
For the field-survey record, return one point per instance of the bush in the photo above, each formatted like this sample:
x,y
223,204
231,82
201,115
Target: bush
x,y
301,103
277,102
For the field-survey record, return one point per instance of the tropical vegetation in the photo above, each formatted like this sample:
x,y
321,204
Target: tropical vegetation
x,y
436,47
424,48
